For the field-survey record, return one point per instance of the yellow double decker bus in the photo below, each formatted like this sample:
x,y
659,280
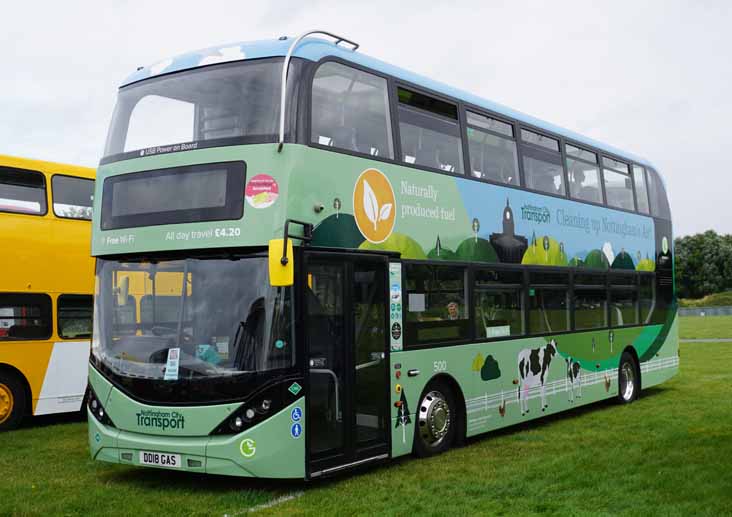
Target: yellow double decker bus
x,y
46,287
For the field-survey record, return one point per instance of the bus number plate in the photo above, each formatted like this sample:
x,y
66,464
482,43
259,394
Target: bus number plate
x,y
160,459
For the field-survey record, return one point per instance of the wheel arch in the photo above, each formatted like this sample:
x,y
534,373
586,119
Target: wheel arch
x,y
12,370
460,397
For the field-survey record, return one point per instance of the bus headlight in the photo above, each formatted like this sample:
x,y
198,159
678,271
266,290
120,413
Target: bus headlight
x,y
257,408
96,409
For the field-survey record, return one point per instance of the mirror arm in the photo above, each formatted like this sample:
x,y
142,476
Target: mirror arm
x,y
307,236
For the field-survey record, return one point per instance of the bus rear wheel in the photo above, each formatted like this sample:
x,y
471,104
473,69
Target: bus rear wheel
x,y
436,420
628,379
12,401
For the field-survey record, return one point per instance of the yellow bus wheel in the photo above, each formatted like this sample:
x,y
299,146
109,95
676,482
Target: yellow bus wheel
x,y
6,403
12,401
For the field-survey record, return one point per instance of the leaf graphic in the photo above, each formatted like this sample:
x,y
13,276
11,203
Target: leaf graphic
x,y
370,203
384,212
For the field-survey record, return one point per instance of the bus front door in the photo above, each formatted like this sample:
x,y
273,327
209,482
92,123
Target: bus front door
x,y
346,314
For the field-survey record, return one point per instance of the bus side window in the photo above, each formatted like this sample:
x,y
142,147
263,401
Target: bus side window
x,y
543,169
25,316
659,201
350,111
22,191
429,132
437,304
641,193
623,300
548,302
72,197
74,316
492,149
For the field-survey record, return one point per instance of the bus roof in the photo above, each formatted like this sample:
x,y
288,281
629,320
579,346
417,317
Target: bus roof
x,y
314,49
47,167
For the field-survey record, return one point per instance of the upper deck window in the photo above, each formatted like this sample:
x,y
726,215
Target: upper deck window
x,y
22,191
196,193
492,157
657,195
543,169
72,197
225,104
429,132
584,174
618,185
350,110
641,192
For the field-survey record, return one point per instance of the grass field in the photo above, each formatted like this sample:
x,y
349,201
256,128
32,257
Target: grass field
x,y
705,327
667,454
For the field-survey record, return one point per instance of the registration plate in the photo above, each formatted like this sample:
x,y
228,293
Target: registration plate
x,y
160,459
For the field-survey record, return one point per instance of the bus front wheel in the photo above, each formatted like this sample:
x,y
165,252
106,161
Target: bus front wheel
x,y
12,401
628,379
436,420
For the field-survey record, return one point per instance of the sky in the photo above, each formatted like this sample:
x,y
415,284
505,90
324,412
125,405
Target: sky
x,y
653,78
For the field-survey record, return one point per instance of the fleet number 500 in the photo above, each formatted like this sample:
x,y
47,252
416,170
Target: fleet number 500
x,y
440,366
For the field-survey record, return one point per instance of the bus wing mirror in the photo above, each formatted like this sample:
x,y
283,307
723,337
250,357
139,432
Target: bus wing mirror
x,y
123,291
281,271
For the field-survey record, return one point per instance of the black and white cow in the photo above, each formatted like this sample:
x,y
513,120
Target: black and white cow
x,y
574,376
533,366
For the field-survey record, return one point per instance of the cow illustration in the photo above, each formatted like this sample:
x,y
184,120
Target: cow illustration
x,y
574,376
533,366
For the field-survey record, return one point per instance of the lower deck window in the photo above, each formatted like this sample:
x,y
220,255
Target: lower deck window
x,y
25,316
74,316
437,304
498,303
548,303
623,307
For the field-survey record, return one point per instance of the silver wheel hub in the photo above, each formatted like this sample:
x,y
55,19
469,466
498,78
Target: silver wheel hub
x,y
627,378
435,418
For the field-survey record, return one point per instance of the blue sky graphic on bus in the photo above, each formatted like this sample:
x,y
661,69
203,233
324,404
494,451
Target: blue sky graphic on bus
x,y
562,231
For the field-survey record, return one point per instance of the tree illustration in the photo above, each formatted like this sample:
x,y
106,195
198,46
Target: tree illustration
x,y
490,369
403,418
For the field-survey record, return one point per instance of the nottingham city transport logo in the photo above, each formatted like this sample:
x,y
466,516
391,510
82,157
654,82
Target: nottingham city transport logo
x,y
374,206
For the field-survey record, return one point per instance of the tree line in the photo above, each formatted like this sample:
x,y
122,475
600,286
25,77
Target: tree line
x,y
703,264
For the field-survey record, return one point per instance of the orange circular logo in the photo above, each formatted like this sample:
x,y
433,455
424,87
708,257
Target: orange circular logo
x,y
374,205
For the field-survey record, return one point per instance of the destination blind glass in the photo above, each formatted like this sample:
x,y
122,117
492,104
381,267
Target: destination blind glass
x,y
196,193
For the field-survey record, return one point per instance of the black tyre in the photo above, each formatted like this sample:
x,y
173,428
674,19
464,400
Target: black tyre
x,y
628,379
436,420
12,401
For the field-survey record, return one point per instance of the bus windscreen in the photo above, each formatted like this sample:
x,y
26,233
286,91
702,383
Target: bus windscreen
x,y
210,192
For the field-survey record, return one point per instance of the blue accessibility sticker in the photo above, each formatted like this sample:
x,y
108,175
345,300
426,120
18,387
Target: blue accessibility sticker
x,y
296,414
296,430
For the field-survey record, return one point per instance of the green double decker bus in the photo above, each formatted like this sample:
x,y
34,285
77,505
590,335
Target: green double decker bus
x,y
309,260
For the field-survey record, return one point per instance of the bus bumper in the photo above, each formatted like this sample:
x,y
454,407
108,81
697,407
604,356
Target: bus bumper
x,y
267,450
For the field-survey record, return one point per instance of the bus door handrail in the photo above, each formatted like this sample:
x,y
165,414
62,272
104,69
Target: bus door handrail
x,y
285,69
337,389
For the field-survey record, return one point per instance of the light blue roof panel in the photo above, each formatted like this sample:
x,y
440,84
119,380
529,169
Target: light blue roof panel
x,y
314,49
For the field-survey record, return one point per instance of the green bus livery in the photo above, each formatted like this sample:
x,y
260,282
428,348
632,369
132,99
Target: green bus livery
x,y
309,260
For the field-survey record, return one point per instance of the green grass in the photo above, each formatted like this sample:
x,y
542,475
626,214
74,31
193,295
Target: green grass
x,y
710,300
667,454
705,327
